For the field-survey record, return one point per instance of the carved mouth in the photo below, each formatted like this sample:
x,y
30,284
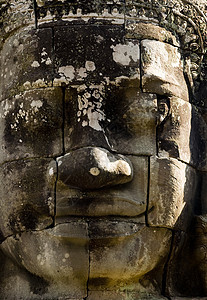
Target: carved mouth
x,y
95,228
99,206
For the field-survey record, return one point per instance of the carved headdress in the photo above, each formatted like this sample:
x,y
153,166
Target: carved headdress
x,y
187,19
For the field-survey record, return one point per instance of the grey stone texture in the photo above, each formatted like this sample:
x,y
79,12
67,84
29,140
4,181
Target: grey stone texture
x,y
103,149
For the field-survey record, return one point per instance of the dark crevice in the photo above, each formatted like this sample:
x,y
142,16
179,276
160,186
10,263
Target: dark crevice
x,y
140,65
14,235
89,262
55,194
35,13
148,191
53,54
165,270
28,159
64,119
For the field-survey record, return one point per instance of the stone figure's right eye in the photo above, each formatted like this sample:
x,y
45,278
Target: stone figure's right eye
x,y
163,104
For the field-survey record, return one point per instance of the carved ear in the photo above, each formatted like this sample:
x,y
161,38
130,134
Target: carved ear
x,y
163,104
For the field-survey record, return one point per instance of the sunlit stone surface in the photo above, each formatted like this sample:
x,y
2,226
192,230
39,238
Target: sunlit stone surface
x,y
103,150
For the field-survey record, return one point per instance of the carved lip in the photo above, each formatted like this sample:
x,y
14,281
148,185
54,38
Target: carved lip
x,y
99,206
86,229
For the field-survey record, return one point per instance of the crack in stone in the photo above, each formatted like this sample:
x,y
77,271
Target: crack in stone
x,y
165,270
64,120
140,65
35,13
89,261
148,191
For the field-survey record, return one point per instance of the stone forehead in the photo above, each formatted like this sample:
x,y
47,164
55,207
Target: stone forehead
x,y
186,19
179,16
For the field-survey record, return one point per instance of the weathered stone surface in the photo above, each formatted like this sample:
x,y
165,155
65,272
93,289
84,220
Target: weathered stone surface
x,y
120,119
132,129
172,193
162,70
128,295
79,12
93,168
78,238
150,31
31,124
59,255
78,59
132,256
26,62
186,270
27,201
128,199
14,15
182,132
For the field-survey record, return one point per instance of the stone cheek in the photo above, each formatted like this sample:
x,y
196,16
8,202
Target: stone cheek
x,y
171,197
31,124
27,200
55,257
162,69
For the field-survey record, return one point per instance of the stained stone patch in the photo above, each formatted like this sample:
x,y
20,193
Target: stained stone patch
x,y
26,61
31,124
162,69
132,125
27,200
128,199
172,191
59,255
78,59
93,168
14,15
132,256
121,119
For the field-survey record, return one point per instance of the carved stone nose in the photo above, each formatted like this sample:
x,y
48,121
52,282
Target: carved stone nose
x,y
93,168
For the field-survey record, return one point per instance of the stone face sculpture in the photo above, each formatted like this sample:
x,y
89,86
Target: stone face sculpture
x,y
103,149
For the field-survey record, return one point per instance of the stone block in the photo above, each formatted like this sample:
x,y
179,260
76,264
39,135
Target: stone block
x,y
172,193
58,256
132,255
92,168
132,125
127,295
127,199
26,62
27,200
149,31
13,18
121,119
31,124
93,55
182,132
162,69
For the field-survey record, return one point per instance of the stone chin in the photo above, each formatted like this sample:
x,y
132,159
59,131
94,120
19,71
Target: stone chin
x,y
120,253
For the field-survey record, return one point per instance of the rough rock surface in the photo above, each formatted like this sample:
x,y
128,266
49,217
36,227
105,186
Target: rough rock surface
x,y
103,130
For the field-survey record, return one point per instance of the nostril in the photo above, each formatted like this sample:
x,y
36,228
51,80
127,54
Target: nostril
x,y
93,168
